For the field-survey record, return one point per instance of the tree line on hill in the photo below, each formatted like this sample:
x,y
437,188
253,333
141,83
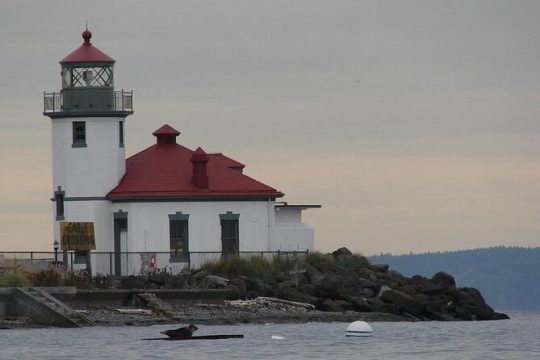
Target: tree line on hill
x,y
507,277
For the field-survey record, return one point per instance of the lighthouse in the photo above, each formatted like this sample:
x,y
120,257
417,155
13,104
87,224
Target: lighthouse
x,y
88,157
166,207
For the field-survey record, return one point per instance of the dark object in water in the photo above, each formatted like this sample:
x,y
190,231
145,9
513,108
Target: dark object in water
x,y
205,337
181,333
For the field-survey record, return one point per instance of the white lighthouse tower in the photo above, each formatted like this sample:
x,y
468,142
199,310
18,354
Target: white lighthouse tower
x,y
88,156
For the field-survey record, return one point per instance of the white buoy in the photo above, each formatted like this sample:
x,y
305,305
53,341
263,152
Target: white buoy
x,y
359,328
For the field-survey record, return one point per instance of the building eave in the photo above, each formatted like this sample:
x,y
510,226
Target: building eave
x,y
189,198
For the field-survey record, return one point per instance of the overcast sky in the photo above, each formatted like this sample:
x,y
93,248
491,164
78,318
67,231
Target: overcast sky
x,y
415,124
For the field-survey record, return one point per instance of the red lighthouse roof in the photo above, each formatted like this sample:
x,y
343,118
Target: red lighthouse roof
x,y
165,170
87,53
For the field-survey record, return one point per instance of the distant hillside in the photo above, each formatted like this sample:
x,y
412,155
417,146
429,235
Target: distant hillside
x,y
507,277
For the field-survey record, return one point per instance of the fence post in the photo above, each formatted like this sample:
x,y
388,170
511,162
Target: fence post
x,y
31,260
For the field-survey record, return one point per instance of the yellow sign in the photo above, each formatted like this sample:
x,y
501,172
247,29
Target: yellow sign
x,y
77,236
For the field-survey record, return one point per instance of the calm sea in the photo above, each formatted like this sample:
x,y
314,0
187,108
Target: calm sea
x,y
518,338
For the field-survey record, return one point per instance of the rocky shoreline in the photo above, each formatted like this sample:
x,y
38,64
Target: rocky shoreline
x,y
322,288
232,312
226,314
342,282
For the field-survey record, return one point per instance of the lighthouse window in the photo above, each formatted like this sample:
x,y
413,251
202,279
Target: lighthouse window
x,y
121,133
178,236
59,199
79,134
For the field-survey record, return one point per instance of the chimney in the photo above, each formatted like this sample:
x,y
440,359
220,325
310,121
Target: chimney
x,y
200,175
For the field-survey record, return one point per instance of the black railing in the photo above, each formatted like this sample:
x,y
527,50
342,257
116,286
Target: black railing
x,y
53,102
126,263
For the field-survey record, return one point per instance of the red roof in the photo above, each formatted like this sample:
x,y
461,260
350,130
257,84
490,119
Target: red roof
x,y
87,53
164,171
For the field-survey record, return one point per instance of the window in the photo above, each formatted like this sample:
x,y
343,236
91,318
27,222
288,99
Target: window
x,y
59,199
97,76
230,244
79,134
121,133
179,239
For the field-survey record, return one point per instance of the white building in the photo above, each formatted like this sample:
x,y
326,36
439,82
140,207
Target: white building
x,y
166,205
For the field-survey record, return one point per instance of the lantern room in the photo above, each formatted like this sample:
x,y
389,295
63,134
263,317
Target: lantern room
x,y
87,86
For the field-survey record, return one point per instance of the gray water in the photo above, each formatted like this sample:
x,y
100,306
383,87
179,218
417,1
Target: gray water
x,y
518,338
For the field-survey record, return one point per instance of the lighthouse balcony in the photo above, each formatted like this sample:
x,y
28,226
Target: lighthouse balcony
x,y
88,102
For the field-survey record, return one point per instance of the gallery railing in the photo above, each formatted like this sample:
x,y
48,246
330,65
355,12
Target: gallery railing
x,y
53,102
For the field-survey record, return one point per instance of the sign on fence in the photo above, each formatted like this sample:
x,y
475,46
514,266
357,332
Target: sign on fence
x,y
77,236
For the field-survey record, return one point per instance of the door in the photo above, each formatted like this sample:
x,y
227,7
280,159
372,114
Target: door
x,y
120,247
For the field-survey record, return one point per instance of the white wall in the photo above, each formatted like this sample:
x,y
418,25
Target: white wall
x,y
290,233
148,226
88,172
92,170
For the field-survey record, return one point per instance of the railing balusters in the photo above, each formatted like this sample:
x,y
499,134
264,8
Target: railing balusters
x,y
53,101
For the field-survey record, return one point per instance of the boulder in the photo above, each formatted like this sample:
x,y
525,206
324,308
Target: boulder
x,y
359,304
332,305
255,287
342,251
326,286
381,268
468,304
382,290
402,302
311,271
134,282
293,294
396,277
348,279
444,279
367,274
216,282
238,286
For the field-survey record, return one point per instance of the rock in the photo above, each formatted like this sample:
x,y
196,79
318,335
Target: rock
x,y
367,274
342,251
444,279
256,286
381,268
293,294
437,309
382,290
365,283
359,304
332,305
468,304
283,276
366,292
500,316
402,302
133,282
326,286
311,271
238,286
348,279
396,278
309,289
216,282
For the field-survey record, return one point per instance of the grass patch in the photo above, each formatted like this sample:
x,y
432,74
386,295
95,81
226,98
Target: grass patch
x,y
255,266
13,278
329,263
